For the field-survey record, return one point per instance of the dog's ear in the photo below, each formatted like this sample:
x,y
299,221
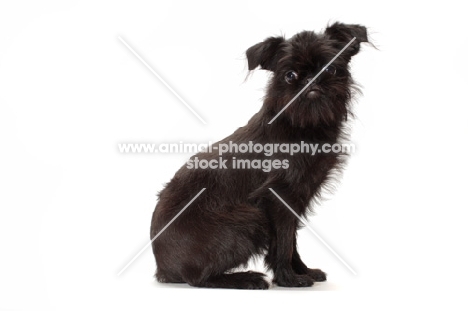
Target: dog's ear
x,y
343,33
264,54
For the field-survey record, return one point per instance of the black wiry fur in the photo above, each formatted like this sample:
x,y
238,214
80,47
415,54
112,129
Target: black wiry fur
x,y
237,217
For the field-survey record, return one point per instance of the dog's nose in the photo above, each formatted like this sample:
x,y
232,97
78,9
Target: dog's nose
x,y
313,94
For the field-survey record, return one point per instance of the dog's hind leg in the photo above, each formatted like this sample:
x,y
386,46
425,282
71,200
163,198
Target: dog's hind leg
x,y
237,280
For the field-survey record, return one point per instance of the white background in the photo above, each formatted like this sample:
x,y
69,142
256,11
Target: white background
x,y
74,211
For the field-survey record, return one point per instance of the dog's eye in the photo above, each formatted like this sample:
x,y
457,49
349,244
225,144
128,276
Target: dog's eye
x,y
291,76
330,70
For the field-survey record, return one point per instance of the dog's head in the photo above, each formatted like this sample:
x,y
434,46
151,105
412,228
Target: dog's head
x,y
297,61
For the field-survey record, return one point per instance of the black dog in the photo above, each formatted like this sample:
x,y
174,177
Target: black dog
x,y
238,216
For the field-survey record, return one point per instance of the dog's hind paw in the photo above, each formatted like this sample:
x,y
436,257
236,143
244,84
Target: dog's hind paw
x,y
295,281
239,280
258,283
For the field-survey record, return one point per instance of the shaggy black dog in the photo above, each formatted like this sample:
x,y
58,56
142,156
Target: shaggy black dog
x,y
238,216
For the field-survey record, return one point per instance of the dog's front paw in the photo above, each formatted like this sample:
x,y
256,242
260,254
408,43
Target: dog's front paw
x,y
295,280
317,275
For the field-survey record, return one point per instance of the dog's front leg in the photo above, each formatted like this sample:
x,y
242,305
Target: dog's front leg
x,y
282,253
281,250
283,225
